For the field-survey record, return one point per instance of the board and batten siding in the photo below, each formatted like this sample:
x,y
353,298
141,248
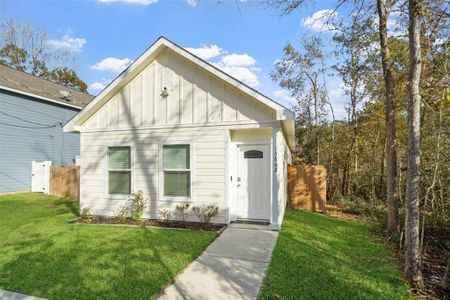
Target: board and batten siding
x,y
208,173
21,141
194,97
199,109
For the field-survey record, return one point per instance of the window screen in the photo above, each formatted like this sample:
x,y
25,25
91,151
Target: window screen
x,y
176,168
119,170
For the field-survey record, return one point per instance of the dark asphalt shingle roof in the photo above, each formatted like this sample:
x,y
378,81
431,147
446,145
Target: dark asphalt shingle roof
x,y
24,82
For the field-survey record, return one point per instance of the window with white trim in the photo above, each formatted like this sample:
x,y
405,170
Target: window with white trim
x,y
177,170
119,170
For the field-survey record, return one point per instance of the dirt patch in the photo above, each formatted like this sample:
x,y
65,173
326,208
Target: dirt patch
x,y
336,211
153,223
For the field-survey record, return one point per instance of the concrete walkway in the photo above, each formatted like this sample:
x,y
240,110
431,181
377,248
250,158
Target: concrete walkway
x,y
5,295
232,267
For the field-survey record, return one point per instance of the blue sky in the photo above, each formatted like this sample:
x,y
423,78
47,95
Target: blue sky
x,y
106,35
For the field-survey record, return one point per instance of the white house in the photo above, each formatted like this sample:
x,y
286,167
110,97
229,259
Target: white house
x,y
178,128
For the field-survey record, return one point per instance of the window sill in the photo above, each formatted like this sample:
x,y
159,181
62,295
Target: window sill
x,y
175,198
117,196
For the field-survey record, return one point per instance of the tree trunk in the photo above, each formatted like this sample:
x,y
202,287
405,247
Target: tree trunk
x,y
382,164
391,153
412,255
316,116
331,187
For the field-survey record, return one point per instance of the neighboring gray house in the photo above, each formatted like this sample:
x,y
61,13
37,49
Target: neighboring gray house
x,y
32,113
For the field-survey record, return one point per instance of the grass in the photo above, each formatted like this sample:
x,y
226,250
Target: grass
x,y
42,255
319,257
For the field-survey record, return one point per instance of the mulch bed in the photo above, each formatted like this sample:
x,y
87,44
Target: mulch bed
x,y
153,223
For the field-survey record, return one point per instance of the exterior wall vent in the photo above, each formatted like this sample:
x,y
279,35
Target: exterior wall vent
x,y
168,79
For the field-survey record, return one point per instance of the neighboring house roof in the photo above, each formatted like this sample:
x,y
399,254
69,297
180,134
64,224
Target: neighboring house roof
x,y
26,84
285,115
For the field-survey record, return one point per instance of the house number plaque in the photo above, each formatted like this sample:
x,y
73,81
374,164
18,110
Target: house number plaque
x,y
275,163
253,154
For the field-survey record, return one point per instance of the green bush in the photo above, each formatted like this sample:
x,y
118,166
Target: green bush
x,y
86,215
138,204
165,215
206,213
182,209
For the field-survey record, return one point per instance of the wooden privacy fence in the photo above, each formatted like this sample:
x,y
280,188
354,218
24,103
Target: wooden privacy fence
x,y
307,187
65,181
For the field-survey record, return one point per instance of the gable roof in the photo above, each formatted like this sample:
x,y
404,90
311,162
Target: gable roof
x,y
26,84
283,114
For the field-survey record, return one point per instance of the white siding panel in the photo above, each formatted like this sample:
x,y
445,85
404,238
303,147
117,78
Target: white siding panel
x,y
187,96
102,117
200,98
230,105
148,90
174,108
113,108
215,97
261,113
208,172
136,102
246,108
124,108
160,101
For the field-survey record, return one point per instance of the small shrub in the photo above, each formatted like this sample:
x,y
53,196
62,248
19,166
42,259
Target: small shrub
x,y
165,215
122,214
86,215
206,213
182,209
138,205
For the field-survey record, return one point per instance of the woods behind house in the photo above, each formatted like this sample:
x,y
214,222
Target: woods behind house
x,y
391,75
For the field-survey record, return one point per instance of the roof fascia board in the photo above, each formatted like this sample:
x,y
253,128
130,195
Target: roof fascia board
x,y
38,97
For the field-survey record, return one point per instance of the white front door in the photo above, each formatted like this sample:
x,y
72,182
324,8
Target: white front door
x,y
253,182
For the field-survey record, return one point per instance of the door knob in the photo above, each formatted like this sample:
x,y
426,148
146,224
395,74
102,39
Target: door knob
x,y
239,179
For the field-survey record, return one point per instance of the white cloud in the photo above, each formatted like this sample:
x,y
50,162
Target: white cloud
x,y
283,95
241,67
206,52
321,20
192,3
242,74
394,26
235,60
112,64
67,42
99,85
139,2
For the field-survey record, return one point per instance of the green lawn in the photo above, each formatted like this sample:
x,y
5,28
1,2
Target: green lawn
x,y
42,255
319,257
